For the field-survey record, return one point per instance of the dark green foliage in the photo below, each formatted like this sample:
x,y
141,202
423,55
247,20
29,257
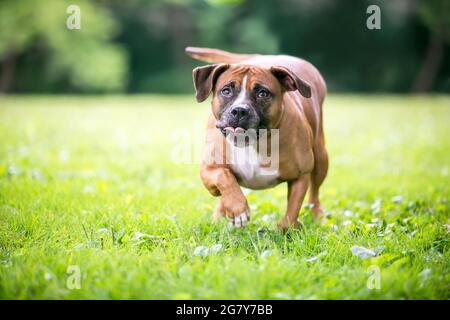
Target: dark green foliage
x,y
137,46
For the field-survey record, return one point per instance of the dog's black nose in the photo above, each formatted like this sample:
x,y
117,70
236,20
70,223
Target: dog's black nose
x,y
239,112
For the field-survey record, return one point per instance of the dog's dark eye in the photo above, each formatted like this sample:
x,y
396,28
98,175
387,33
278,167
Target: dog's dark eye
x,y
226,92
263,94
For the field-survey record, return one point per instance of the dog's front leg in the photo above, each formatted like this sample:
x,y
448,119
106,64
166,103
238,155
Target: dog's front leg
x,y
220,181
296,194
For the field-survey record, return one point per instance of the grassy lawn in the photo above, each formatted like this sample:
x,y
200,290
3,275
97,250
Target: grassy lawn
x,y
105,186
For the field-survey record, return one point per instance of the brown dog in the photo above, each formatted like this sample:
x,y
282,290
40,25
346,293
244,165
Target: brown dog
x,y
276,97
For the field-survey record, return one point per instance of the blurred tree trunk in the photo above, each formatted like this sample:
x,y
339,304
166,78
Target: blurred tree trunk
x,y
181,32
436,18
8,71
430,66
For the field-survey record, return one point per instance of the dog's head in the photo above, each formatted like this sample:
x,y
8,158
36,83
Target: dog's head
x,y
246,98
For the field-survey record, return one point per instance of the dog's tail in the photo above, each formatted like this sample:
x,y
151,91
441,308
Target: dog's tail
x,y
216,55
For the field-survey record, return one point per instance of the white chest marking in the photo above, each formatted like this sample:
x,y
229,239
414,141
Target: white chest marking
x,y
246,165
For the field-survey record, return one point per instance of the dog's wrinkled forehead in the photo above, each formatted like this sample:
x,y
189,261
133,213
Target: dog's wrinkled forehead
x,y
246,78
275,79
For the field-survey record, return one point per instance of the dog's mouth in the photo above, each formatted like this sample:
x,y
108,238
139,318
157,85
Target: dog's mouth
x,y
231,130
239,136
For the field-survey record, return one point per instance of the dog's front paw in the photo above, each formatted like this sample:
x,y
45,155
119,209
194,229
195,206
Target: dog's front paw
x,y
236,210
241,220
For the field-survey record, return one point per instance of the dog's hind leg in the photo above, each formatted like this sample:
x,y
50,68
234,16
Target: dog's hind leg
x,y
219,210
318,176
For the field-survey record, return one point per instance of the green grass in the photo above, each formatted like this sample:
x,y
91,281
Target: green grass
x,y
82,179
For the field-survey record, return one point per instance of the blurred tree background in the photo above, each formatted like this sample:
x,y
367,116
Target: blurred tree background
x,y
137,46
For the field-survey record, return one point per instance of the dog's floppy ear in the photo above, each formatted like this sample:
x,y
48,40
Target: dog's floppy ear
x,y
291,82
205,78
